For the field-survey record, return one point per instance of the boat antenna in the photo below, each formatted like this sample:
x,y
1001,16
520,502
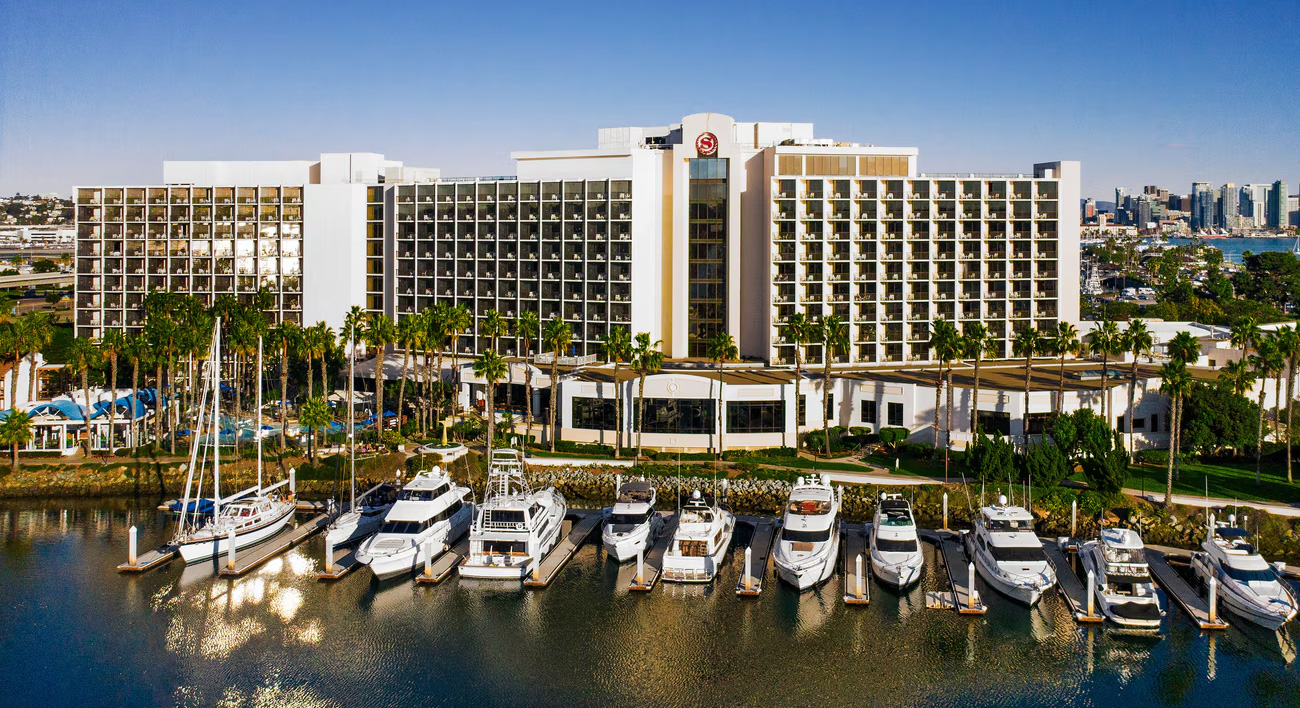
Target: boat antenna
x,y
257,416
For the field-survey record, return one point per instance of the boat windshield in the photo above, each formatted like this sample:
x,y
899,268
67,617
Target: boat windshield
x,y
422,494
1125,555
1017,554
1010,525
629,519
404,527
810,507
894,517
1249,576
805,536
893,545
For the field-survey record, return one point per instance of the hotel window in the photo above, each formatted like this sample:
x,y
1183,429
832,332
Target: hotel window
x,y
593,413
678,416
895,413
830,165
869,412
706,304
789,164
990,422
755,416
883,165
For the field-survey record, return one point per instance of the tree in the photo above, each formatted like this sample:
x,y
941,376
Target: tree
x,y
1064,340
1237,376
721,347
459,320
1288,344
617,346
528,329
316,415
1213,418
1272,277
379,333
835,340
45,265
646,360
289,336
1104,339
1106,464
83,356
977,344
989,459
1068,431
407,337
110,348
1244,334
1138,342
1175,382
1026,344
1266,361
798,330
1046,465
494,326
945,346
557,337
14,431
490,367
138,352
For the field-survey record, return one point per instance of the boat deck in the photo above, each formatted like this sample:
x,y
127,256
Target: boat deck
x,y
149,560
653,562
760,545
254,556
588,521
957,566
853,544
1070,586
441,567
1193,605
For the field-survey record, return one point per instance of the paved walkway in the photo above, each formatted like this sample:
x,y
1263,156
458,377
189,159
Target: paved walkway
x,y
1277,508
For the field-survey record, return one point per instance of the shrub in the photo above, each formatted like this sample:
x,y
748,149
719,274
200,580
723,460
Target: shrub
x,y
1046,464
594,449
891,437
1153,457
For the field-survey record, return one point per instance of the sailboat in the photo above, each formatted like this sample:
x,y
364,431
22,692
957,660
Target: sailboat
x,y
358,522
247,516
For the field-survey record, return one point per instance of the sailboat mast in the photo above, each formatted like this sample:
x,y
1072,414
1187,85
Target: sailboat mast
x,y
352,428
216,421
195,442
257,416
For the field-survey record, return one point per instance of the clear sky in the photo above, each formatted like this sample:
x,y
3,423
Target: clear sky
x,y
1142,93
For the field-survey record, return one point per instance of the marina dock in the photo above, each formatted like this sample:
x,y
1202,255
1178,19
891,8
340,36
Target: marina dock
x,y
760,550
587,523
444,565
1191,602
853,543
252,557
653,563
344,562
965,599
1070,586
149,560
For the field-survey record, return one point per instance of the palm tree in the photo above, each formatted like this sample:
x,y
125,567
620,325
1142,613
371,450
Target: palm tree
x,y
242,344
721,347
14,431
1138,342
494,326
379,333
438,330
557,338
1288,341
1175,383
945,345
14,340
322,346
315,415
798,330
1065,342
1279,359
977,344
458,320
1026,344
835,340
83,356
1244,335
137,350
289,335
40,336
110,347
528,328
1237,376
407,336
617,346
646,360
492,369
1104,339
1267,361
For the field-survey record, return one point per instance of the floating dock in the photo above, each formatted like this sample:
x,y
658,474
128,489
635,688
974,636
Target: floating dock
x,y
444,565
587,523
343,563
1071,588
853,543
1194,606
249,558
653,562
760,550
149,560
965,599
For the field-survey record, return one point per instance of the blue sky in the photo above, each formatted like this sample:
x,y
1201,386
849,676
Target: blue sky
x,y
1141,93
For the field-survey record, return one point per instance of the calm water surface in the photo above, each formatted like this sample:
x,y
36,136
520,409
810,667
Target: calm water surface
x,y
75,633
1233,247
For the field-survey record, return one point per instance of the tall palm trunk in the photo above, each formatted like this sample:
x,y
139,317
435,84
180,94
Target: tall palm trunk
x,y
1105,379
85,415
401,388
442,393
1060,387
798,398
491,416
938,403
112,404
13,382
975,400
1132,391
1173,448
1178,435
324,376
528,384
618,412
1259,439
379,393
284,393
722,422
826,398
947,424
158,404
1025,425
640,415
237,380
1277,406
1290,407
555,395
135,403
171,427
310,390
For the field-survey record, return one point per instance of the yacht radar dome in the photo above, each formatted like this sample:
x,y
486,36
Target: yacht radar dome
x,y
695,494
1002,500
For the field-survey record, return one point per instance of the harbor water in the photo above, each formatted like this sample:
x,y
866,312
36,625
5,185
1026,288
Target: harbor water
x,y
1233,247
75,633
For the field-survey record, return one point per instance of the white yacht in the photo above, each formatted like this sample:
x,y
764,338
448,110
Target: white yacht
x,y
361,520
253,519
806,549
431,512
515,526
896,557
703,535
632,524
1122,581
1248,585
1008,554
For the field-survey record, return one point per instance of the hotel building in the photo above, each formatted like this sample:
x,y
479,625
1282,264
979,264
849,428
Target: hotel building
x,y
680,231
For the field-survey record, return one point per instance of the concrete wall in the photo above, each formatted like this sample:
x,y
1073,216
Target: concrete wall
x,y
334,252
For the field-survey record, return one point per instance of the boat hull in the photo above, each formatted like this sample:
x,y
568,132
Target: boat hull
x,y
351,530
810,571
623,548
386,565
698,569
198,550
1234,600
896,575
1023,593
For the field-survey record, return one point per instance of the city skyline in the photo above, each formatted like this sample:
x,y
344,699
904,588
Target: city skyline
x,y
96,93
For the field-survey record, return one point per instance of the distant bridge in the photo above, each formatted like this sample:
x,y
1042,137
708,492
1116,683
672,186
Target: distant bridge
x,y
34,279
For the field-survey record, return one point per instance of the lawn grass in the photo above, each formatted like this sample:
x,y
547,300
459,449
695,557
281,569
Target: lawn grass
x,y
916,467
1227,480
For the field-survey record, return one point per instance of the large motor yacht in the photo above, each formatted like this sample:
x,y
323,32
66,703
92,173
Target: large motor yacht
x,y
805,553
1008,554
515,526
1248,585
1121,579
429,515
699,544
632,524
896,557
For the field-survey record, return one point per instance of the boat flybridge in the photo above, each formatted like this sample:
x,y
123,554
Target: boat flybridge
x,y
429,515
246,517
896,557
1248,585
515,526
1008,554
1121,578
703,535
805,553
632,524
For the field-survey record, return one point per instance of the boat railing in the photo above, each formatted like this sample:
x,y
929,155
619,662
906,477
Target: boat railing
x,y
503,525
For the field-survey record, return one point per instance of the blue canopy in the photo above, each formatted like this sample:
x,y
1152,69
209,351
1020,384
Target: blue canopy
x,y
101,407
202,507
65,408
